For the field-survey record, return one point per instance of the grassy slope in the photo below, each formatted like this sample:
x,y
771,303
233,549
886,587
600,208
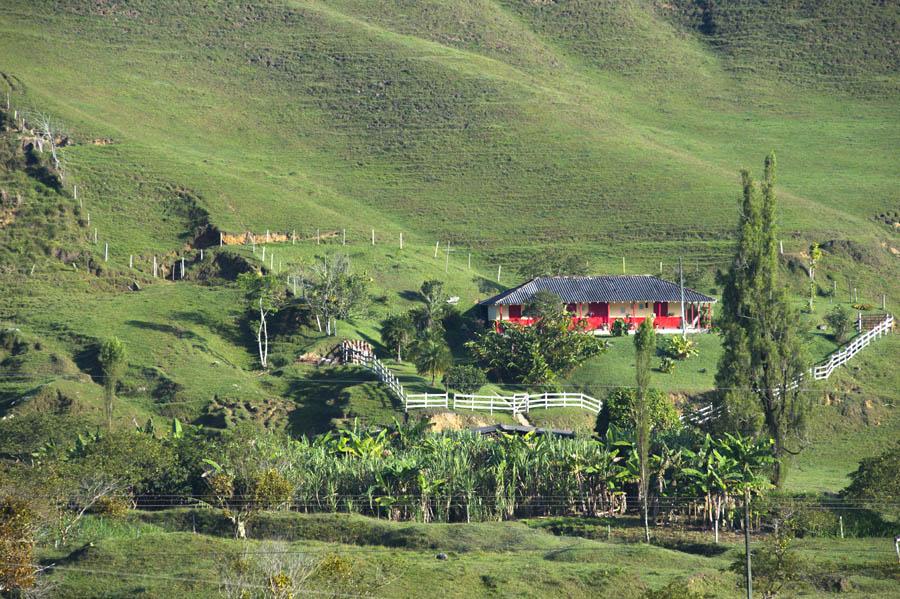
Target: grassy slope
x,y
393,560
611,128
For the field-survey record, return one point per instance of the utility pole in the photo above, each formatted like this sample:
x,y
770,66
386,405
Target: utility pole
x,y
681,286
747,541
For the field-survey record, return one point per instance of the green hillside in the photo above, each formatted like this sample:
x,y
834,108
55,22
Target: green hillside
x,y
609,129
450,140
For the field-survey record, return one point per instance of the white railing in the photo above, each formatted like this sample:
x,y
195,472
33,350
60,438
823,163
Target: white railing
x,y
844,354
426,400
819,372
523,403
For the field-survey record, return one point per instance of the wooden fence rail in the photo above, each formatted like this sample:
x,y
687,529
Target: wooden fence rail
x,y
819,372
844,354
361,353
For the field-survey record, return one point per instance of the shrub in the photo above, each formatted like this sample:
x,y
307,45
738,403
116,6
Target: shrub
x,y
876,483
465,378
839,321
620,406
17,531
114,506
677,589
680,348
619,328
776,564
862,307
667,365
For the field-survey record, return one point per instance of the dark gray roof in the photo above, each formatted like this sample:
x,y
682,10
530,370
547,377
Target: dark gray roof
x,y
608,288
521,430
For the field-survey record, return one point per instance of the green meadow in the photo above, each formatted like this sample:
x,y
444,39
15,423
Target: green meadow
x,y
614,131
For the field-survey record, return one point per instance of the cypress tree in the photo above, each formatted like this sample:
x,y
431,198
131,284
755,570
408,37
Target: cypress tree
x,y
762,355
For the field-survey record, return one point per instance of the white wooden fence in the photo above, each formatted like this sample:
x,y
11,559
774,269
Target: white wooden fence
x,y
522,403
819,372
357,352
844,354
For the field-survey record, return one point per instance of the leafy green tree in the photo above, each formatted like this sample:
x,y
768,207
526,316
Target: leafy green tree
x,y
465,378
619,409
547,308
763,356
333,292
644,351
398,331
537,354
432,356
876,482
252,475
264,293
776,564
839,321
112,364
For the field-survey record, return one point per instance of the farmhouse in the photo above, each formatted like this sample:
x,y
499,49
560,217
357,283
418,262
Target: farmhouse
x,y
597,302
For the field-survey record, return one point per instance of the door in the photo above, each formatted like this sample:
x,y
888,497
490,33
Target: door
x,y
515,311
598,309
660,309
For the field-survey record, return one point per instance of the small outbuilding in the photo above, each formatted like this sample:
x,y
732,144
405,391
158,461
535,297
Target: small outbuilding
x,y
596,302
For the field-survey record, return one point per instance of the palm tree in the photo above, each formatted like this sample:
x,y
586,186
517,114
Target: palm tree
x,y
398,331
432,356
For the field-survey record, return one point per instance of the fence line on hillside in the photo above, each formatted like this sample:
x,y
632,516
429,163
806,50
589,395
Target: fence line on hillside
x,y
361,353
856,345
819,372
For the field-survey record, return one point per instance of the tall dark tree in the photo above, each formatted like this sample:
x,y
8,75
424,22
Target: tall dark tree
x,y
763,358
644,350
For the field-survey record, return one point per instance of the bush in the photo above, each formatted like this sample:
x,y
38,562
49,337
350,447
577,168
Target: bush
x,y
876,483
620,406
667,365
465,378
680,348
17,532
677,589
619,328
114,506
863,307
776,564
839,321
